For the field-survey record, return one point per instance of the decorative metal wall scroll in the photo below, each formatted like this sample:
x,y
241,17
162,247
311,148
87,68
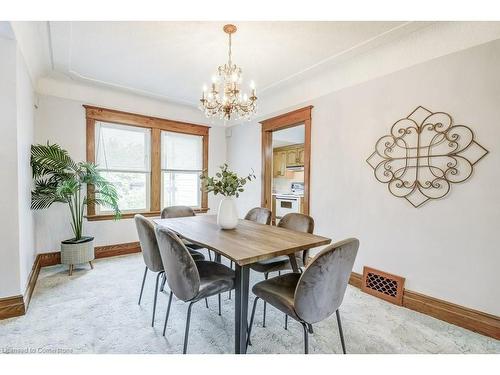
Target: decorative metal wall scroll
x,y
423,155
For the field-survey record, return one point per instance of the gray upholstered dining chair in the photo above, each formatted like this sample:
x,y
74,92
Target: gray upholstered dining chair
x,y
297,222
315,294
260,215
186,211
151,255
182,211
190,281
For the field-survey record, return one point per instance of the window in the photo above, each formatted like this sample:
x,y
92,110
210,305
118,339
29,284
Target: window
x,y
123,154
181,165
153,162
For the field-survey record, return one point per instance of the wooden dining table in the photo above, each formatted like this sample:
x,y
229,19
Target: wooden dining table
x,y
248,243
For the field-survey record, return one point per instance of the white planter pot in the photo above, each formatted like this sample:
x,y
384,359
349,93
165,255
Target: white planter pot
x,y
77,252
227,215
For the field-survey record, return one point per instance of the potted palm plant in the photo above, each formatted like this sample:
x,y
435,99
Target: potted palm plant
x,y
59,179
230,185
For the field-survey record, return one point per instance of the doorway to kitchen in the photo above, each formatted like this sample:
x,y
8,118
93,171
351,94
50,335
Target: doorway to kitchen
x,y
286,155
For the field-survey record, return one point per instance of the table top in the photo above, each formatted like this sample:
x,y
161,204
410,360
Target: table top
x,y
248,243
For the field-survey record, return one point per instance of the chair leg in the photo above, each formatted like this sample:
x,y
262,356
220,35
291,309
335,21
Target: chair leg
x,y
206,303
142,286
340,331
156,297
306,339
91,265
251,321
266,275
186,334
209,255
286,321
219,304
310,328
168,313
163,280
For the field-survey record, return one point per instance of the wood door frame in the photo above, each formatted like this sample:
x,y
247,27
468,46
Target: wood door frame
x,y
284,121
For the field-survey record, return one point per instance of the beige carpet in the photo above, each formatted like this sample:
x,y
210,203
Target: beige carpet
x,y
97,312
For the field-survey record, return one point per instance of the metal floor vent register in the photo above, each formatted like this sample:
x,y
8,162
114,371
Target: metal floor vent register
x,y
383,285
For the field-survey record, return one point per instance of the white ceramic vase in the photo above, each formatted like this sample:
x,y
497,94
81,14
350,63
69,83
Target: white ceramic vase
x,y
227,216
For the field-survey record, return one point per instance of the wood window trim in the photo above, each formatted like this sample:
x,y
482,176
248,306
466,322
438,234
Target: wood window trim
x,y
284,121
156,125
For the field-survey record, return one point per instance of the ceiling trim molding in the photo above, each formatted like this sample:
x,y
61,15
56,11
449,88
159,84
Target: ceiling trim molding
x,y
79,77
61,34
401,47
372,42
65,88
437,40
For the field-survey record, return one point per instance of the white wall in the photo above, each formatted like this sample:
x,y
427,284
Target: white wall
x,y
25,136
9,230
244,154
61,120
17,229
447,248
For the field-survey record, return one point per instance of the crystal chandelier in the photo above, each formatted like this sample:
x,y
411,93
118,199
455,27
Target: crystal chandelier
x,y
225,99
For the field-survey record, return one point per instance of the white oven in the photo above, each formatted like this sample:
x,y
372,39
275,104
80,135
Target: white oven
x,y
286,203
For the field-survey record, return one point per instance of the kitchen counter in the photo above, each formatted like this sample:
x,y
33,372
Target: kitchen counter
x,y
290,194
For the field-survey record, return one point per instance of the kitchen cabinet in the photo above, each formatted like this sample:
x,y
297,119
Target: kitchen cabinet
x,y
288,156
279,163
292,157
301,154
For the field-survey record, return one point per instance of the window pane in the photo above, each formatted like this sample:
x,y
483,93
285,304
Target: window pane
x,y
132,190
123,148
181,188
181,151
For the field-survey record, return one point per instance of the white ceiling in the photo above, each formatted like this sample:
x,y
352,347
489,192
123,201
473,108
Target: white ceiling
x,y
172,60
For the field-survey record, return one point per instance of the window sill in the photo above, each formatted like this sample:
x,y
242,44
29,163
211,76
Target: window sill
x,y
129,215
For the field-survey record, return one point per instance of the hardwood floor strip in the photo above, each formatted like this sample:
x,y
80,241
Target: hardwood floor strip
x,y
473,320
32,278
51,259
11,307
116,250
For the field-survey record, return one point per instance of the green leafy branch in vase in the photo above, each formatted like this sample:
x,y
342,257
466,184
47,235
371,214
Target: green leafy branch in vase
x,y
226,182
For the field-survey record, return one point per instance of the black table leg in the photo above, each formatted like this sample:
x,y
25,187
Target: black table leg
x,y
241,309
